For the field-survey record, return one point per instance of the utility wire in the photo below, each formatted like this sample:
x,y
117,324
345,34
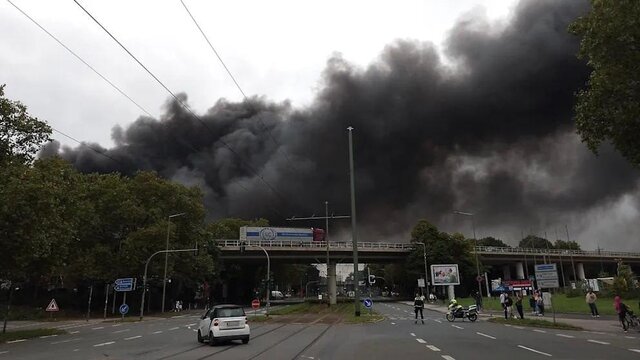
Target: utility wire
x,y
79,58
81,143
179,101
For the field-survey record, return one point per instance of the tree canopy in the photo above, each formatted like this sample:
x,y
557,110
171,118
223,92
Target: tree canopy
x,y
491,241
609,108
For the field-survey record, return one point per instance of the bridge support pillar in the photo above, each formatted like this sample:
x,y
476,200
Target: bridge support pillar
x,y
506,272
519,271
331,282
580,270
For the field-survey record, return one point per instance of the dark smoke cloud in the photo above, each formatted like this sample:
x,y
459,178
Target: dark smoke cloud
x,y
487,129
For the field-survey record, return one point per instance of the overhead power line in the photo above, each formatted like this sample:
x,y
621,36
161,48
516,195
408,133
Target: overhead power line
x,y
184,106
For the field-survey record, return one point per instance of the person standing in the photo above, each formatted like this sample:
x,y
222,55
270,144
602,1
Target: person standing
x,y
508,307
503,297
621,309
540,304
478,298
519,305
591,298
418,306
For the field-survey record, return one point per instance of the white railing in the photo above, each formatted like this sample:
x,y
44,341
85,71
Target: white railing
x,y
557,252
320,245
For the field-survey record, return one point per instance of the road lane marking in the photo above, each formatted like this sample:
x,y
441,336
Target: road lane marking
x,y
191,324
534,350
178,316
598,342
174,328
635,350
421,341
157,332
438,321
64,341
133,337
447,357
105,343
393,323
540,331
74,350
458,327
98,328
47,336
630,337
485,335
74,332
507,325
116,325
121,331
412,334
4,352
433,348
566,336
16,341
519,327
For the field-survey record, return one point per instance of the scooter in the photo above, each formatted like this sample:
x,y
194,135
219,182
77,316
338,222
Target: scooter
x,y
470,313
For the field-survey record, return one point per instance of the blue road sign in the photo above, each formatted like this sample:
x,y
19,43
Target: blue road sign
x,y
368,303
124,284
124,309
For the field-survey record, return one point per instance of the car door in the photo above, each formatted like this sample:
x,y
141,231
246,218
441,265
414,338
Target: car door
x,y
205,323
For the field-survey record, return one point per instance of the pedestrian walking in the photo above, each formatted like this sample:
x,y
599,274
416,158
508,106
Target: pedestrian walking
x,y
418,306
621,309
519,305
591,298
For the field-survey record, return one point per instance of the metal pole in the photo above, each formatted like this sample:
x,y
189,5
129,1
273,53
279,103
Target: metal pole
x,y
353,226
326,238
106,300
6,315
89,305
166,258
575,278
426,272
475,239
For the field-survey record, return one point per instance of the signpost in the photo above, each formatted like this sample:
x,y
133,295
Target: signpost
x,y
124,284
255,305
368,303
124,309
421,283
547,278
53,306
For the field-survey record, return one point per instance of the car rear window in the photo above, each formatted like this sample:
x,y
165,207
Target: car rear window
x,y
230,312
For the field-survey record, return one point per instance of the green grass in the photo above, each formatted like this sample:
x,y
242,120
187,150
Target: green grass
x,y
345,310
28,334
535,323
561,303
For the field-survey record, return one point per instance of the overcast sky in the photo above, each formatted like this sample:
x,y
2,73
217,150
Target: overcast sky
x,y
276,49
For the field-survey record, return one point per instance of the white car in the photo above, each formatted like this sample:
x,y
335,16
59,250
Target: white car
x,y
223,323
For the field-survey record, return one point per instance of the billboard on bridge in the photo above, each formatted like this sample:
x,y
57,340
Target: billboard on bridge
x,y
445,274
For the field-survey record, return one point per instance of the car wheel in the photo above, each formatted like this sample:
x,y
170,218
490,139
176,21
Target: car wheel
x,y
200,339
245,340
212,340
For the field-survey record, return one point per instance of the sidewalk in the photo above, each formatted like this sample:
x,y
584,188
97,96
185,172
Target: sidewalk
x,y
599,324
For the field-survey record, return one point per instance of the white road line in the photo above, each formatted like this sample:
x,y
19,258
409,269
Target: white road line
x,y
97,328
47,336
16,341
103,344
157,332
598,342
635,350
73,332
566,336
540,331
433,348
630,337
519,327
178,316
3,352
421,341
74,350
457,327
133,337
447,357
438,321
121,331
485,335
114,325
64,341
533,350
507,325
174,328
393,323
191,324
412,334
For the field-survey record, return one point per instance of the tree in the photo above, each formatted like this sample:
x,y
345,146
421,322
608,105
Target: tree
x,y
609,108
21,135
567,245
491,241
532,241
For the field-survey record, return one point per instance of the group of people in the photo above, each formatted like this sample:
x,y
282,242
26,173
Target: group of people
x,y
508,302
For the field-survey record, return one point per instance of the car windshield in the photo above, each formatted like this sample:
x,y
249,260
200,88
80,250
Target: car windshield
x,y
230,312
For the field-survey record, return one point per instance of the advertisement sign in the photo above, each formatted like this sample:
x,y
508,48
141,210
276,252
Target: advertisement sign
x,y
445,274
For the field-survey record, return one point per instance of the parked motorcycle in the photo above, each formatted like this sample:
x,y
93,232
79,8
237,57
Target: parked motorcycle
x,y
459,312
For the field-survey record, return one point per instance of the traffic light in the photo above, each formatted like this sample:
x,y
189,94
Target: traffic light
x,y
372,279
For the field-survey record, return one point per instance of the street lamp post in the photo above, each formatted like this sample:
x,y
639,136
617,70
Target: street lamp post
x,y
475,248
353,225
424,255
166,258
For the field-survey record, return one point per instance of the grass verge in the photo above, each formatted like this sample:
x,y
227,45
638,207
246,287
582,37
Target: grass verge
x,y
28,334
535,323
343,310
562,304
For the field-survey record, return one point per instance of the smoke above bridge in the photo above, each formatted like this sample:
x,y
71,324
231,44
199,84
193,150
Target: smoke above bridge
x,y
485,127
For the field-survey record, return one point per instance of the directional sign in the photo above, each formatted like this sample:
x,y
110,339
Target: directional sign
x,y
53,306
255,304
547,276
368,303
124,284
124,309
421,283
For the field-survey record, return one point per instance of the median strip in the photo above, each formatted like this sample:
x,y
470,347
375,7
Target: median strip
x,y
534,350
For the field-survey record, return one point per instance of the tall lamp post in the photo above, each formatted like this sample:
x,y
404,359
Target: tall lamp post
x,y
166,258
424,255
356,280
475,248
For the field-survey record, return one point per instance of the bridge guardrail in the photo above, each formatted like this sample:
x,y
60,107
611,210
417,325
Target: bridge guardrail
x,y
557,252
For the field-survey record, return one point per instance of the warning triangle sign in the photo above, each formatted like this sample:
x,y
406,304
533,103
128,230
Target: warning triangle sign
x,y
53,306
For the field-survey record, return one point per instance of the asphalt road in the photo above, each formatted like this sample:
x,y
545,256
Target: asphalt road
x,y
397,337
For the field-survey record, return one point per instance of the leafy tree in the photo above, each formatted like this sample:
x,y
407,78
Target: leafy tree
x,y
567,245
609,109
624,283
21,135
491,241
532,241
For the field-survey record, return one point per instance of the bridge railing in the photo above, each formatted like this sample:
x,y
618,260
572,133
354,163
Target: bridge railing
x,y
557,252
336,245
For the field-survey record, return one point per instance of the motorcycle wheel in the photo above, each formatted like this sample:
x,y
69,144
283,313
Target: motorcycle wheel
x,y
473,317
450,317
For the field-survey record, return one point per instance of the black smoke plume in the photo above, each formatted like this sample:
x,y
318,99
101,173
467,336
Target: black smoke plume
x,y
484,127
